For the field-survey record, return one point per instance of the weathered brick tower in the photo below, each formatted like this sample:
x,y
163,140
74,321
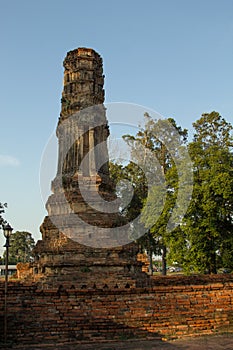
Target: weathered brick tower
x,y
83,243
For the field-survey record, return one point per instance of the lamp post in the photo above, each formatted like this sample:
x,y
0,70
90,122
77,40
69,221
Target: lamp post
x,y
7,230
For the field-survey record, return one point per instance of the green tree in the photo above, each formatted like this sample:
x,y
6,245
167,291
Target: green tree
x,y
168,141
208,224
2,211
21,245
153,148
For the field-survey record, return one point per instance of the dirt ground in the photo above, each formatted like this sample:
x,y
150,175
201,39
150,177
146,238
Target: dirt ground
x,y
216,342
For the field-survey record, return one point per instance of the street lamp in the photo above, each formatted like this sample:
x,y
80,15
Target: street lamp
x,y
7,230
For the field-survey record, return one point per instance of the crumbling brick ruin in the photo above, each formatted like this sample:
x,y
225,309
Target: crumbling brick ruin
x,y
82,244
86,285
174,307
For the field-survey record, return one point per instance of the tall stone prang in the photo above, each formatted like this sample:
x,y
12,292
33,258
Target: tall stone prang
x,y
84,238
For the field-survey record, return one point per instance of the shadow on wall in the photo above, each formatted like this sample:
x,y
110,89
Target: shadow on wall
x,y
49,317
61,315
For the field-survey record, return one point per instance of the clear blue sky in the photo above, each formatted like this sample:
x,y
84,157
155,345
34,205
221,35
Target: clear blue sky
x,y
175,57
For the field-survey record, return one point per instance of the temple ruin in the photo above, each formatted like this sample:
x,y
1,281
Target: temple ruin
x,y
84,243
86,284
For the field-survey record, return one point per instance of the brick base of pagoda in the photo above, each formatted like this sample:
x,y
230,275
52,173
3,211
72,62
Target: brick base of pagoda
x,y
61,260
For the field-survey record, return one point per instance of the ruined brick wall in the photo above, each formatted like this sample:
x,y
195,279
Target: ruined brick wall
x,y
173,307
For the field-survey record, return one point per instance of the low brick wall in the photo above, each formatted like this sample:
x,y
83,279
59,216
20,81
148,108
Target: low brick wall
x,y
171,307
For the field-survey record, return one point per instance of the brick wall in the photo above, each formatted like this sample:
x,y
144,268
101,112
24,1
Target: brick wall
x,y
171,307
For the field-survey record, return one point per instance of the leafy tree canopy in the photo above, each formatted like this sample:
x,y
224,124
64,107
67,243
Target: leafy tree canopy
x,y
21,245
208,223
202,240
2,211
153,175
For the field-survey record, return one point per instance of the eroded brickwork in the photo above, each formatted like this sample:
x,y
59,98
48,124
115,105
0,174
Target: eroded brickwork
x,y
173,307
76,292
82,242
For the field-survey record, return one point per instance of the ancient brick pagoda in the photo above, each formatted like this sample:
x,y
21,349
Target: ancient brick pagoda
x,y
84,242
83,266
